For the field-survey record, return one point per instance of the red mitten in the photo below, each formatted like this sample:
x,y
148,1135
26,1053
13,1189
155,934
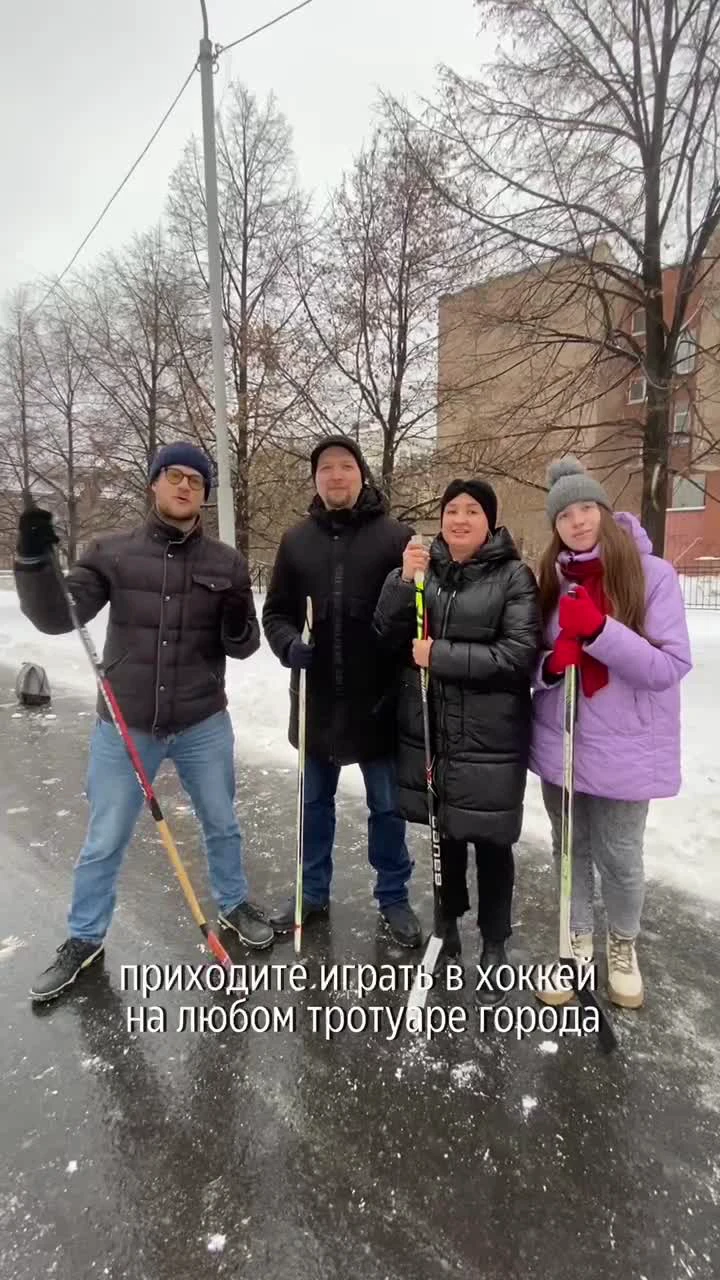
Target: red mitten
x,y
567,652
579,617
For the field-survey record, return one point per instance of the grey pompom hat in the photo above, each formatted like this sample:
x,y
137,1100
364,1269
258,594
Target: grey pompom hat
x,y
569,482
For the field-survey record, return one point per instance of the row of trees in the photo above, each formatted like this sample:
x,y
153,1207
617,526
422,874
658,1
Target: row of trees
x,y
590,140
329,321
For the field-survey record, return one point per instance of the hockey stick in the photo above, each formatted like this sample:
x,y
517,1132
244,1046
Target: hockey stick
x,y
606,1035
418,994
300,817
213,942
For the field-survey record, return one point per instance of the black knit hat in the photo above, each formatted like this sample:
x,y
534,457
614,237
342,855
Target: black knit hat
x,y
480,490
182,454
339,442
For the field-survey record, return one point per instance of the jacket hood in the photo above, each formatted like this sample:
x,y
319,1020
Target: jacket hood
x,y
629,523
632,525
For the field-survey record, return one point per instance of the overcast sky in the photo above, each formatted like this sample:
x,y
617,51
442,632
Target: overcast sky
x,y
85,82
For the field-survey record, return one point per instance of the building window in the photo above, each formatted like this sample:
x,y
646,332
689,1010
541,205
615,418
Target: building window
x,y
688,492
681,425
685,353
637,391
637,323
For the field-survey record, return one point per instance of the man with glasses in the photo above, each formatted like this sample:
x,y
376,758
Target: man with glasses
x,y
180,604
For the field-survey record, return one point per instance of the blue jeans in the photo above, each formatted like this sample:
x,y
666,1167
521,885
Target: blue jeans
x,y
205,763
387,850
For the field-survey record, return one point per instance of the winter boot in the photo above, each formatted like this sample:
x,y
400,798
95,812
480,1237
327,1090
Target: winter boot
x,y
402,924
72,956
283,921
493,955
250,925
625,985
555,992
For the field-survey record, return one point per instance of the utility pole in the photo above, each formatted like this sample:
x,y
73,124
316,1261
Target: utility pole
x,y
226,509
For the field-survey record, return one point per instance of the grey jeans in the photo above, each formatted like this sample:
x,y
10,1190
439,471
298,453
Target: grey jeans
x,y
607,834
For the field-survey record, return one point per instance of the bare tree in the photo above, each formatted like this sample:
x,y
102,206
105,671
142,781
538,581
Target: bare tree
x,y
593,139
370,281
134,307
16,371
259,216
64,460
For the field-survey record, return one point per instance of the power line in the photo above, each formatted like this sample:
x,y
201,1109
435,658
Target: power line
x,y
219,49
223,48
117,191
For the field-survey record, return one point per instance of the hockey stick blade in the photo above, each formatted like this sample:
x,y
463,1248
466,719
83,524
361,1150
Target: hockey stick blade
x,y
418,993
605,1033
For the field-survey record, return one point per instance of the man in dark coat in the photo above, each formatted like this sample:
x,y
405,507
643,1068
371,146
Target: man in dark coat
x,y
483,638
180,603
340,555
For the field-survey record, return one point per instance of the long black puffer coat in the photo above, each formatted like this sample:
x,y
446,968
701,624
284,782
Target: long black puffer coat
x,y
341,560
484,619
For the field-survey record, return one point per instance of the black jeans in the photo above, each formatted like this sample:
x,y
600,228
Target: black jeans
x,y
495,877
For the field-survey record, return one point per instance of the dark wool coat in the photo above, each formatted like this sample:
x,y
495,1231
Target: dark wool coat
x,y
484,619
179,605
341,560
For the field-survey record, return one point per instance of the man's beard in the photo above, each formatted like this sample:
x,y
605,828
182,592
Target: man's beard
x,y
339,504
184,523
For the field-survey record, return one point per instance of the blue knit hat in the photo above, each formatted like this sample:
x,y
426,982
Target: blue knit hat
x,y
182,454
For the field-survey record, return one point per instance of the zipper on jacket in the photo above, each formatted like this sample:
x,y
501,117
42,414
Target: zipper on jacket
x,y
439,683
337,592
159,638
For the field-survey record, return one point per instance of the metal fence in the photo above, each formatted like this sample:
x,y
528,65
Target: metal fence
x,y
698,568
701,588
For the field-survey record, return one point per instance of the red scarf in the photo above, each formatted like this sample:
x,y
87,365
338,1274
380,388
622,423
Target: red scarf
x,y
593,674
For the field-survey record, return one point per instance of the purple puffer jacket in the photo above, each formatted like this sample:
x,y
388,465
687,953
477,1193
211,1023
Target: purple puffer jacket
x,y
627,736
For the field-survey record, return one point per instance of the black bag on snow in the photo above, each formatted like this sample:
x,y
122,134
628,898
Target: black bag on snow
x,y
32,686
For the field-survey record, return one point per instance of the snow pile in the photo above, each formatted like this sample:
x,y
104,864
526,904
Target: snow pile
x,y
682,844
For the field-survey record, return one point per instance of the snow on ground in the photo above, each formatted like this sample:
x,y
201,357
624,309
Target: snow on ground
x,y
683,839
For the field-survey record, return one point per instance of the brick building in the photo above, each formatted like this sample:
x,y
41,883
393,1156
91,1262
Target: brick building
x,y
524,376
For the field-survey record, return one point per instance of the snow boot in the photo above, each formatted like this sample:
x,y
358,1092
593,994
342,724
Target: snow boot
x,y
73,955
402,924
493,955
555,992
283,921
250,925
625,984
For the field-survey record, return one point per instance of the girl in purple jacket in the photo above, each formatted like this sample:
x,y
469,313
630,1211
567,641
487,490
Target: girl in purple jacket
x,y
626,631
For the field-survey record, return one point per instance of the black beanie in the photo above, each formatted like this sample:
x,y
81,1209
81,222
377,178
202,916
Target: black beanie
x,y
480,490
339,442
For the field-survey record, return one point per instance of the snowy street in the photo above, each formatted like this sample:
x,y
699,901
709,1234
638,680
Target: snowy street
x,y
141,1156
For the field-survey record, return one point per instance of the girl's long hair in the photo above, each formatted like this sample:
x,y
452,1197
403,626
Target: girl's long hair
x,y
623,576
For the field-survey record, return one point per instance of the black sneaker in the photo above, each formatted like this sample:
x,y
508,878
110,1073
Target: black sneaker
x,y
283,921
250,925
493,955
403,925
72,956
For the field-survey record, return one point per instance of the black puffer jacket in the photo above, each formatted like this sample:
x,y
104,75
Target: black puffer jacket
x,y
179,604
484,619
341,560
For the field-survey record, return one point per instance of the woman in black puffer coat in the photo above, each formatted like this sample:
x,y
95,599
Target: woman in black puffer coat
x,y
484,636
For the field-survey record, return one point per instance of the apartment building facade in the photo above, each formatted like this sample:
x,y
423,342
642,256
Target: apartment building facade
x,y
524,376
